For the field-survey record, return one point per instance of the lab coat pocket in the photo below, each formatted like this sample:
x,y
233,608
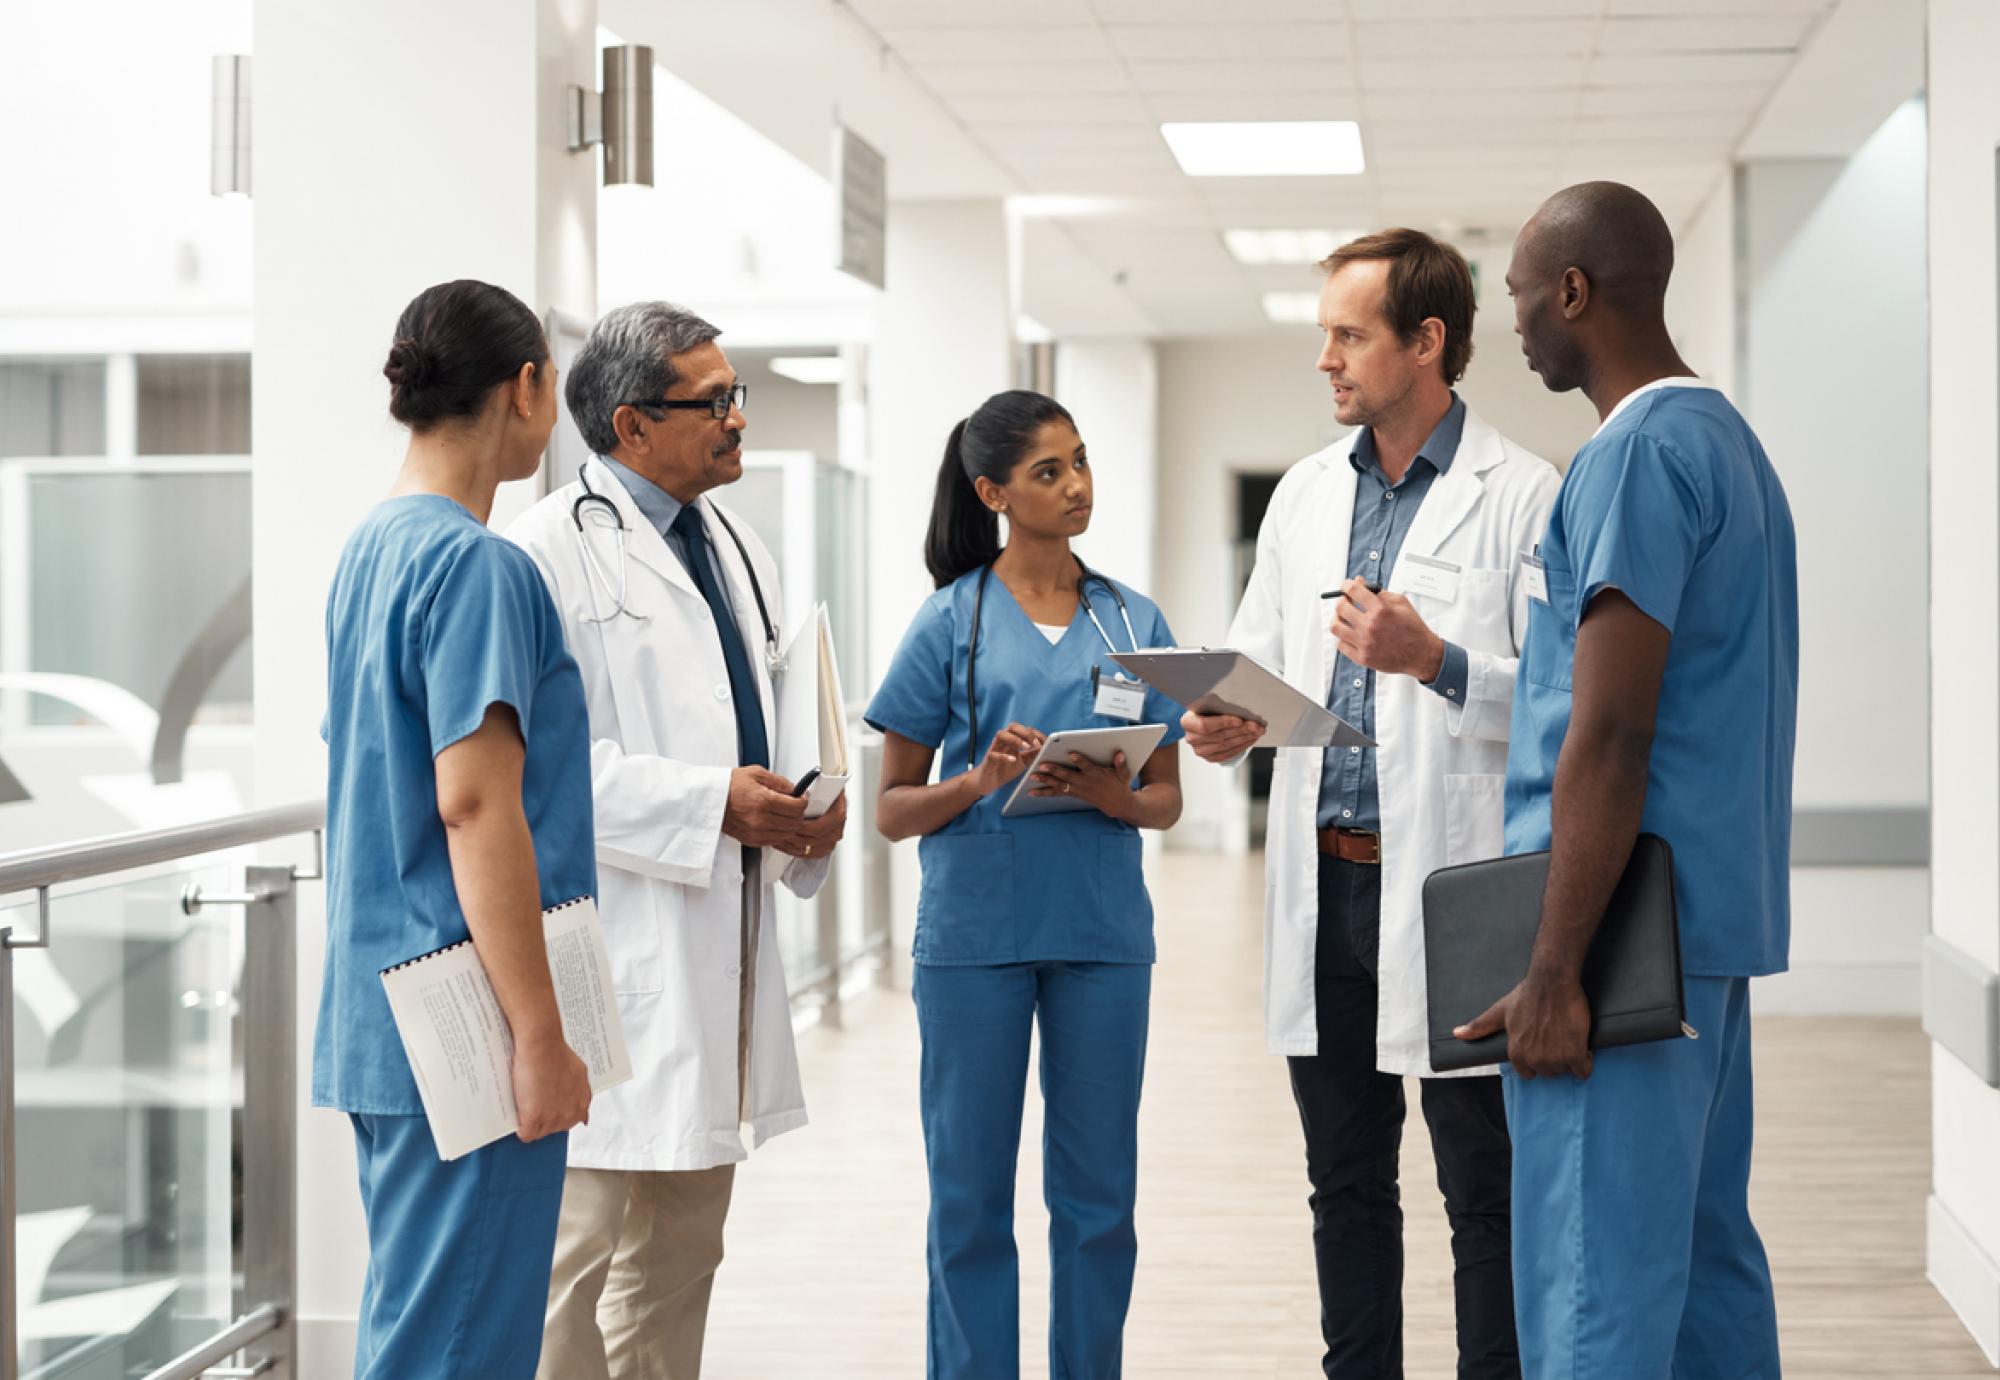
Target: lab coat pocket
x,y
1481,617
636,912
1474,819
965,907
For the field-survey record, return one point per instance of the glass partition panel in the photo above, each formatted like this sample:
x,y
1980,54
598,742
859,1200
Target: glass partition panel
x,y
129,1095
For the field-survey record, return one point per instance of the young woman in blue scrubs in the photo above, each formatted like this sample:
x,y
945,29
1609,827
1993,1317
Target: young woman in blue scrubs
x,y
458,806
1039,919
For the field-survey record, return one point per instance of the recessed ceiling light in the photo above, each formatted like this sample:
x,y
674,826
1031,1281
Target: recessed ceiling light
x,y
808,368
1292,308
1257,247
1029,331
1266,148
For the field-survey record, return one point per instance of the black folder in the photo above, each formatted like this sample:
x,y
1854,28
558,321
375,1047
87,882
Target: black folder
x,y
1479,933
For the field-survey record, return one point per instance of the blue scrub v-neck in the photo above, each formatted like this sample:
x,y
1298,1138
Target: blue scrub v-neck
x,y
1063,887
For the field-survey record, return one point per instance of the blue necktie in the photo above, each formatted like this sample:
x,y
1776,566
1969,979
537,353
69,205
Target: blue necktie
x,y
752,747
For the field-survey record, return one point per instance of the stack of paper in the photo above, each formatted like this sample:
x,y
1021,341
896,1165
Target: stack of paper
x,y
812,716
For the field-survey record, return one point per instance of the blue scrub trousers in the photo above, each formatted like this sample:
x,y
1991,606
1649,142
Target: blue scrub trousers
x,y
975,1023
1634,1254
458,1253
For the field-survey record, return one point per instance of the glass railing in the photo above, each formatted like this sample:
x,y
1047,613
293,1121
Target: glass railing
x,y
147,1101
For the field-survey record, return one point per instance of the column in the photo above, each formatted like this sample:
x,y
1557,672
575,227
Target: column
x,y
1964,951
942,346
397,146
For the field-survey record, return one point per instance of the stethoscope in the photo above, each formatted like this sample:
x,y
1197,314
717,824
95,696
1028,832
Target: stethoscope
x,y
774,655
1084,577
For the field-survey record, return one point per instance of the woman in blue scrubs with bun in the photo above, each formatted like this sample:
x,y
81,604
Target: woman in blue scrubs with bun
x,y
1036,919
458,807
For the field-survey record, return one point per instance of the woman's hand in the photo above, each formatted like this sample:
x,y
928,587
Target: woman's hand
x,y
1013,747
1106,789
551,1087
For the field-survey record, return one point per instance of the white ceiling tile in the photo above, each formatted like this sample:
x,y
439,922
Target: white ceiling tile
x,y
1236,39
1228,76
883,15
1724,127
1036,43
1475,9
1440,38
1440,77
1254,104
1684,7
1122,12
1023,78
1049,109
1720,33
1390,108
1386,141
1056,138
1686,69
1744,99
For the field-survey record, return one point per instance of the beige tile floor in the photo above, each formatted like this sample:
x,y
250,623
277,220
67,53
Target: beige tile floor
x,y
824,1279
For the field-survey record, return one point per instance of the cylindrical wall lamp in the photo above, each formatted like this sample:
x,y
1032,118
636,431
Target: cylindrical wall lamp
x,y
229,125
621,119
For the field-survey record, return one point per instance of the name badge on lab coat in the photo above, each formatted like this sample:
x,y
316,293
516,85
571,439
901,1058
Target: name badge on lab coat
x,y
1534,577
1425,575
1119,698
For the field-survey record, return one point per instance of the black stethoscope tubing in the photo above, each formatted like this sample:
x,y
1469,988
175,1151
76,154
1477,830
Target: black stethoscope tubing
x,y
773,654
1084,577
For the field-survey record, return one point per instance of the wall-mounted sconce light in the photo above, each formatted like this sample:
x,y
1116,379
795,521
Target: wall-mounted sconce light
x,y
621,119
229,125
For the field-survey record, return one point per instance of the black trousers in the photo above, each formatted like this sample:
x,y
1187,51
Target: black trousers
x,y
1353,1119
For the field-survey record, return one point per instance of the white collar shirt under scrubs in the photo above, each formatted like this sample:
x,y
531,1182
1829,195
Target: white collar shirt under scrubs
x,y
1042,888
1383,516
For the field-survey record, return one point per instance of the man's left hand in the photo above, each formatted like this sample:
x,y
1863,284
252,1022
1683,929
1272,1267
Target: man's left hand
x,y
815,838
1384,632
1547,1021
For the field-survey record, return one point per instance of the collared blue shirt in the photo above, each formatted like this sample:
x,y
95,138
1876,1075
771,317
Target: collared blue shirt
x,y
662,509
1383,515
1675,505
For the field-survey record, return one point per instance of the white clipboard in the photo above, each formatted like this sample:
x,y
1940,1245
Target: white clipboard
x,y
1099,745
1222,681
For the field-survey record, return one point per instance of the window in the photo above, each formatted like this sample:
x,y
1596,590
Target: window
x,y
194,405
52,407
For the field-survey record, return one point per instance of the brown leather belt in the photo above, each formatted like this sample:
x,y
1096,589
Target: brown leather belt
x,y
1351,845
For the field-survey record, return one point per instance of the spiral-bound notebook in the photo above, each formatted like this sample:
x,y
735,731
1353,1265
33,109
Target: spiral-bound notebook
x,y
457,1039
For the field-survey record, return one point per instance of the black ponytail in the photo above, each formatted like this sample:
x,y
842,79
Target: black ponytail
x,y
965,533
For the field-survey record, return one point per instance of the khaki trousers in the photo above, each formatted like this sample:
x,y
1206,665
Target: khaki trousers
x,y
636,1255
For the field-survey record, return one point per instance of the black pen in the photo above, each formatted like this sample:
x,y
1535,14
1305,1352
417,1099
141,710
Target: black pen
x,y
1337,593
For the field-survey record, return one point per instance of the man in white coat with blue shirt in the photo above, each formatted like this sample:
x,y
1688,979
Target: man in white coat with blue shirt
x,y
668,601
1388,587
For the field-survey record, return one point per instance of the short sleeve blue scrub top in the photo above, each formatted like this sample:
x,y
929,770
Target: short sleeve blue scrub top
x,y
432,620
1065,887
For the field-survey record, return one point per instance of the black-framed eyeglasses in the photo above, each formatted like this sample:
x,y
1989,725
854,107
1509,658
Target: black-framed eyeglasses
x,y
717,407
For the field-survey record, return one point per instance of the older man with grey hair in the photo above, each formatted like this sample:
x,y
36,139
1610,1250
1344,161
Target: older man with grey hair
x,y
669,603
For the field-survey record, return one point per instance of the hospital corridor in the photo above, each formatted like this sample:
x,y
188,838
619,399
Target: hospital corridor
x,y
1000,690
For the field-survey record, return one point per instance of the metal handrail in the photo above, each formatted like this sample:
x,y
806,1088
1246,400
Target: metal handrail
x,y
34,868
191,1364
38,869
268,954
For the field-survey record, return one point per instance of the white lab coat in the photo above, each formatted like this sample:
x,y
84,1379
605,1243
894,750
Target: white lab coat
x,y
1439,765
663,744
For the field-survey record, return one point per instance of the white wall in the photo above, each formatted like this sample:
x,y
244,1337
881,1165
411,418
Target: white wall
x,y
356,214
1111,387
1701,298
1964,104
1833,292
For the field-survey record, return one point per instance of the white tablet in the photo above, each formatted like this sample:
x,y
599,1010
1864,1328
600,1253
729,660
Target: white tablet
x,y
1099,745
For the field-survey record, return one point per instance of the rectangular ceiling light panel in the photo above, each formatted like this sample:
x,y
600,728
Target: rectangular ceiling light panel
x,y
1266,148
